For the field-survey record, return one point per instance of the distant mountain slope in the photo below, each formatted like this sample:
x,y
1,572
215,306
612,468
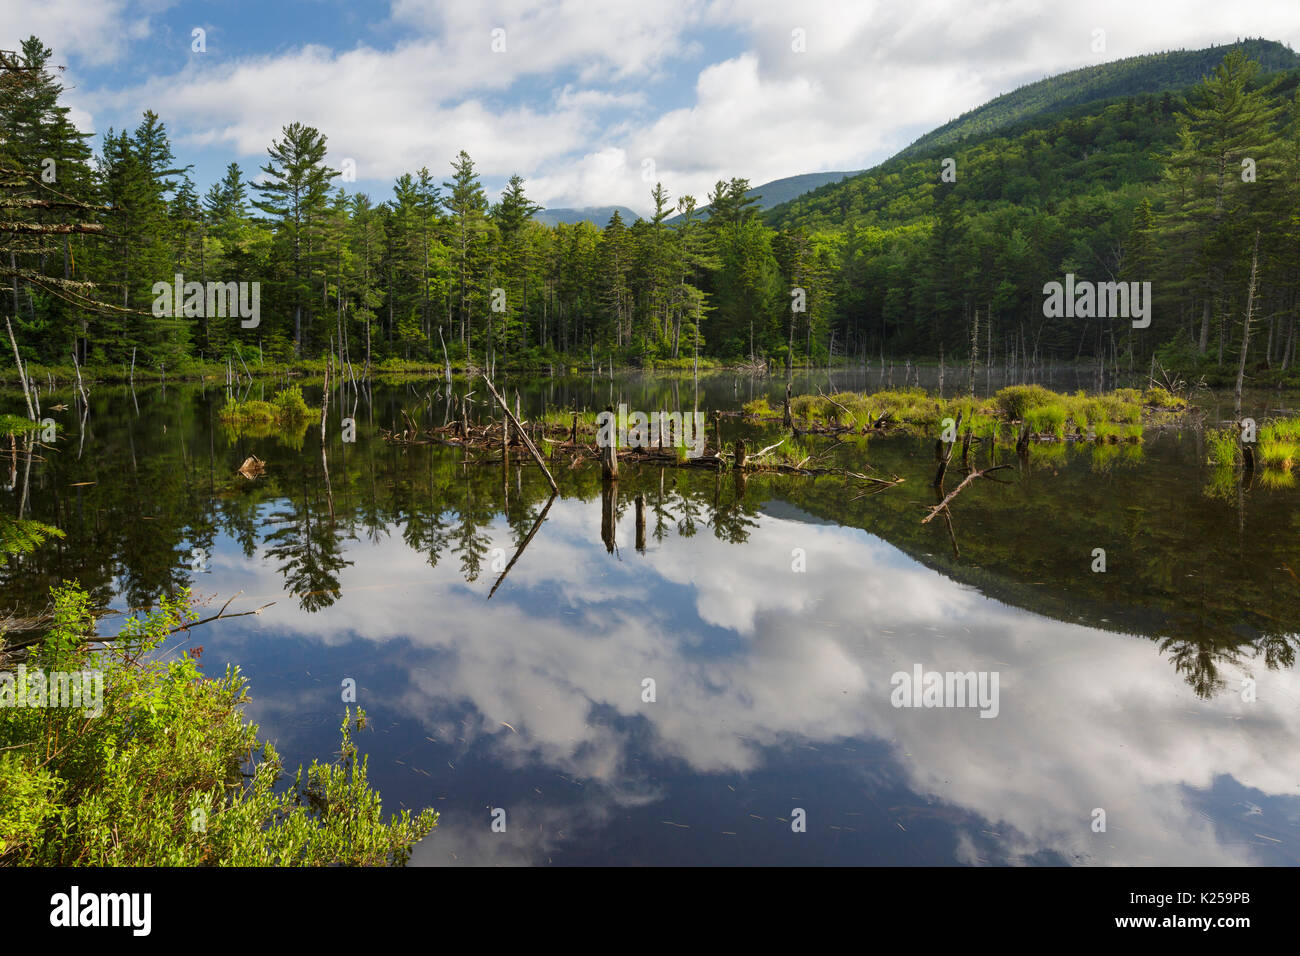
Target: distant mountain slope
x,y
1150,73
598,215
780,191
783,190
1039,159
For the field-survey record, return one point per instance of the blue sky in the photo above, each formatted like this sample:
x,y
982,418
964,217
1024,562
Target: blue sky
x,y
590,101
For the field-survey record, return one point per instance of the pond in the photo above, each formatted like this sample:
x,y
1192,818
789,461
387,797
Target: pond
x,y
738,688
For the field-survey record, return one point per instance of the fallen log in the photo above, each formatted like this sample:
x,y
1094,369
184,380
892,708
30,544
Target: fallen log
x,y
528,442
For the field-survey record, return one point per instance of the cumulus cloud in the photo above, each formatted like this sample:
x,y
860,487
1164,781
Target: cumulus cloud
x,y
580,94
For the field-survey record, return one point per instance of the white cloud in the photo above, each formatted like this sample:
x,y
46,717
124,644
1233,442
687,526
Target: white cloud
x,y
583,82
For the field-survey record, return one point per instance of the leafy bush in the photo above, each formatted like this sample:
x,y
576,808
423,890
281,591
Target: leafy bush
x,y
1106,431
157,777
13,425
1278,454
1162,398
289,404
1282,429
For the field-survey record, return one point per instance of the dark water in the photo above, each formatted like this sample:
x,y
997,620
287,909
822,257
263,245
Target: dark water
x,y
1121,691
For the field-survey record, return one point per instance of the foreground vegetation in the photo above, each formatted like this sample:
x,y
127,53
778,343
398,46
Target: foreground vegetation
x,y
166,775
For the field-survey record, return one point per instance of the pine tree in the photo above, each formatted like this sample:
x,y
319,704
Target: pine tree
x,y
466,207
294,197
1215,207
512,215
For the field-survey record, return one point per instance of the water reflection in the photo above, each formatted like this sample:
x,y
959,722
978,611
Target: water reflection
x,y
1120,691
760,671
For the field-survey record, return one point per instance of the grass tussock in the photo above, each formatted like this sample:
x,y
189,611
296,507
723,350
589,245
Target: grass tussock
x,y
1223,447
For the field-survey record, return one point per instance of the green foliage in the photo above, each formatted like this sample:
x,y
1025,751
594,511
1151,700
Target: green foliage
x,y
1281,429
13,425
1047,419
1161,398
1223,446
23,535
286,409
289,405
1015,401
1278,454
156,779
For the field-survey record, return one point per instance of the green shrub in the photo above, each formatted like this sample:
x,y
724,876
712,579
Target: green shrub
x,y
1275,453
249,411
162,775
1162,398
1282,429
289,404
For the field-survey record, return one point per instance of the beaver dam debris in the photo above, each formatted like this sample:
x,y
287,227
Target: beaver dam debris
x,y
576,442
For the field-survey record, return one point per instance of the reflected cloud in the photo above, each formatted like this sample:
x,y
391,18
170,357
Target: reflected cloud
x,y
750,658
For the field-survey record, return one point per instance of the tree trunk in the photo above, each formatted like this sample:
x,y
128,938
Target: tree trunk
x,y
1245,331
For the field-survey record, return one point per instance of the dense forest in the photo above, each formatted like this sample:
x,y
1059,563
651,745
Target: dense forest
x,y
942,248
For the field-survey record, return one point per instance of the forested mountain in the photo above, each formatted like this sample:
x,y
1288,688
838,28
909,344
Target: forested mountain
x,y
596,215
915,257
1151,73
1166,188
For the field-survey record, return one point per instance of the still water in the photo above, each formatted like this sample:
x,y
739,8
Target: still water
x,y
770,614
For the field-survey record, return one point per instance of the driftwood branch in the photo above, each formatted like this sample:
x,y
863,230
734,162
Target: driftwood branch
x,y
528,442
956,491
220,615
